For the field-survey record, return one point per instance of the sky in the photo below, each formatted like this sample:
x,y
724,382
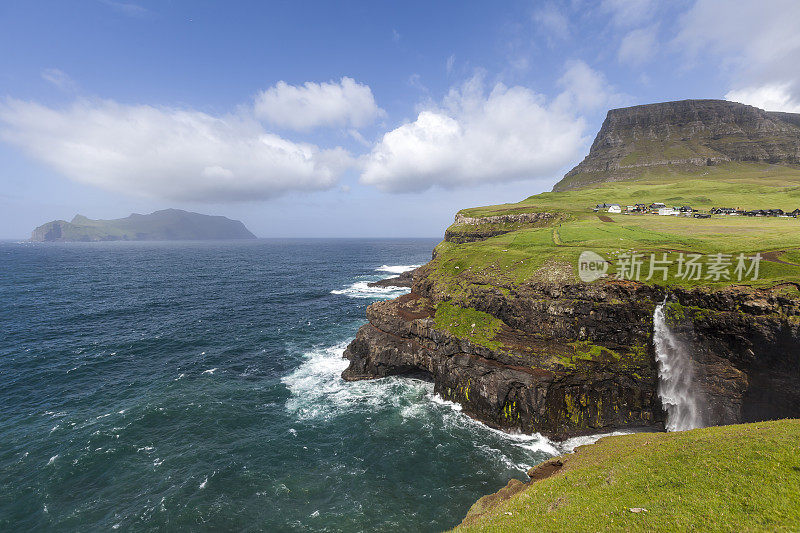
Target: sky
x,y
348,119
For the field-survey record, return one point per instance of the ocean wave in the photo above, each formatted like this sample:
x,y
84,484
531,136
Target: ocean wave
x,y
320,394
535,443
361,289
396,269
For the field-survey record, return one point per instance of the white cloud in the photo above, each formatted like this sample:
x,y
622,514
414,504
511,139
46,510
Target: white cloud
x,y
638,46
585,89
772,97
302,108
451,61
475,138
552,20
757,42
126,8
415,81
629,12
59,78
754,32
167,153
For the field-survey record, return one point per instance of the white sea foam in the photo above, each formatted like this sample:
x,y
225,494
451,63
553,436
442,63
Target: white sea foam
x,y
396,269
204,483
319,393
316,384
361,289
569,445
532,442
210,371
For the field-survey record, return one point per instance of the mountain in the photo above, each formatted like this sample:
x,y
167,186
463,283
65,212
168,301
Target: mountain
x,y
533,318
506,323
165,225
684,136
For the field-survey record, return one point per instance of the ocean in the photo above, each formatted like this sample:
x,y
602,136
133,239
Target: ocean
x,y
162,386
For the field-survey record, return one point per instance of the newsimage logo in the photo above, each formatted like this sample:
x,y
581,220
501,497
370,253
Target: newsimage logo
x,y
591,266
694,267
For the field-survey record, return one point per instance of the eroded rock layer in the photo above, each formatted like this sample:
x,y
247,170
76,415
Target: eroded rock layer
x,y
687,133
574,358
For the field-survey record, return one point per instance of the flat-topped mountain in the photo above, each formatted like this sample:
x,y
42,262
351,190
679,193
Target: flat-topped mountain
x,y
165,225
683,136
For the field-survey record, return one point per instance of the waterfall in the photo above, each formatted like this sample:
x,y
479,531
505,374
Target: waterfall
x,y
676,386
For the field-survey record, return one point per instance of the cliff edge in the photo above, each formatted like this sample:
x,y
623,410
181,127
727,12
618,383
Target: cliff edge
x,y
504,323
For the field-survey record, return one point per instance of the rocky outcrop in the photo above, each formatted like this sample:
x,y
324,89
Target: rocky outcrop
x,y
691,133
470,229
575,358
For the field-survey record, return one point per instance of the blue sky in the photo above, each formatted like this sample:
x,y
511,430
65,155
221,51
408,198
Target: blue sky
x,y
374,119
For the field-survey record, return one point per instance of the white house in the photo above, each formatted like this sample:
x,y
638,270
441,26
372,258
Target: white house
x,y
667,211
614,208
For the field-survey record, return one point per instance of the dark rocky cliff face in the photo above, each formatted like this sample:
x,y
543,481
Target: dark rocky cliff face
x,y
688,133
578,358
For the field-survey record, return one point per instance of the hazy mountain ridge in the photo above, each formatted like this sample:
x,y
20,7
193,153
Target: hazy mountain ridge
x,y
164,225
683,135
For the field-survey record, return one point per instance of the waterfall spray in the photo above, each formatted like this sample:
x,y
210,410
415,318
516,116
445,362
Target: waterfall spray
x,y
676,386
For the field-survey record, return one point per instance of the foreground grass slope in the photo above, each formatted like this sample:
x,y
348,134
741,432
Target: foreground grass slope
x,y
730,478
518,256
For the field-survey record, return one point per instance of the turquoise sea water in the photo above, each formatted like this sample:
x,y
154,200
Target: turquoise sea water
x,y
163,386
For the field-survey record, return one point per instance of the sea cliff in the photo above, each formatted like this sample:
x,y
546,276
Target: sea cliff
x,y
502,324
570,358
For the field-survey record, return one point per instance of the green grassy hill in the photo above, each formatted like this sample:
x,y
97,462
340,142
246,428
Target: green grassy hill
x,y
551,249
730,478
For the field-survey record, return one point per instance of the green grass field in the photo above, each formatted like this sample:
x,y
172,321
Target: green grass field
x,y
519,256
729,478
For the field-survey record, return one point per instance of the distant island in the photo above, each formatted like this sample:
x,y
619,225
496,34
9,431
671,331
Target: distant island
x,y
164,225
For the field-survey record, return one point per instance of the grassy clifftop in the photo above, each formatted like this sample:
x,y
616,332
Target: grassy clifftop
x,y
550,250
731,478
